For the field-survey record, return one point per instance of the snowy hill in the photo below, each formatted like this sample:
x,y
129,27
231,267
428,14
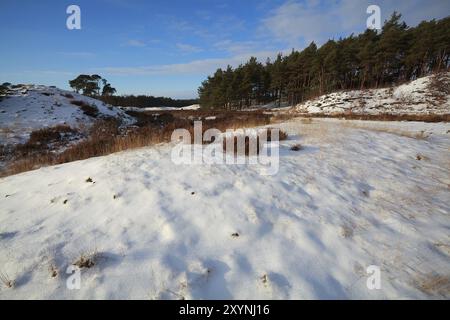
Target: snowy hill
x,y
30,107
357,194
422,96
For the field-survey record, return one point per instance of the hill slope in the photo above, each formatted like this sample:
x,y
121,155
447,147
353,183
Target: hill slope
x,y
31,107
427,95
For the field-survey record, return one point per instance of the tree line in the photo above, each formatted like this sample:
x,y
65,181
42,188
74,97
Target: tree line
x,y
369,60
98,87
144,101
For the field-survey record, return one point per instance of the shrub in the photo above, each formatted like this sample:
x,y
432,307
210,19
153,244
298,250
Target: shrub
x,y
87,260
89,110
50,134
281,135
68,95
4,278
247,150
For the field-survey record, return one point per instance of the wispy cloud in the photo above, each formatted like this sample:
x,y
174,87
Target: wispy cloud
x,y
296,23
195,67
77,54
187,48
135,43
237,47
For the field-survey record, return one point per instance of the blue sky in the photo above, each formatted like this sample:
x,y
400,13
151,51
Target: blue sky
x,y
168,47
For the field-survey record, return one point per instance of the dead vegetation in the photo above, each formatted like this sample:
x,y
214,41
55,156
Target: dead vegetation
x,y
434,284
53,270
106,136
264,279
297,147
87,259
68,95
382,117
439,86
89,110
346,231
6,280
250,146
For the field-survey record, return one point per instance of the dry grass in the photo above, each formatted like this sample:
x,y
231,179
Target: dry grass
x,y
53,270
297,147
89,110
68,96
87,260
106,137
383,117
439,86
346,231
49,134
43,140
420,135
6,280
306,120
435,284
249,149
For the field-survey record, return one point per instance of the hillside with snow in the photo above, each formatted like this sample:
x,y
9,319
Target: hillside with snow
x,y
427,95
355,194
31,107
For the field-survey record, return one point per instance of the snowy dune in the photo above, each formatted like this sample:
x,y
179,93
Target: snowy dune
x,y
33,107
358,194
411,98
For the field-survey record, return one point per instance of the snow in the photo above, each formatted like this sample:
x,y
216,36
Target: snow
x,y
191,107
355,195
33,107
411,98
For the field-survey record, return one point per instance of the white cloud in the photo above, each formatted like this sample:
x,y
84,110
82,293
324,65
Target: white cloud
x,y
297,23
187,48
236,47
196,67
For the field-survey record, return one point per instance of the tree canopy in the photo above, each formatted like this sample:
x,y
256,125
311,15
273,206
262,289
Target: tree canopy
x,y
369,60
90,85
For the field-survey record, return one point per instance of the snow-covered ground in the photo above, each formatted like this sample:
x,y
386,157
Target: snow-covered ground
x,y
416,97
358,194
191,107
32,107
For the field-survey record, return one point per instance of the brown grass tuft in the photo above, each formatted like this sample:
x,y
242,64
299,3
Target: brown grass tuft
x,y
297,147
6,280
87,260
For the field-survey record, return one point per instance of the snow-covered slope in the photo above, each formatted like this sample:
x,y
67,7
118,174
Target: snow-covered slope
x,y
358,194
32,107
416,97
